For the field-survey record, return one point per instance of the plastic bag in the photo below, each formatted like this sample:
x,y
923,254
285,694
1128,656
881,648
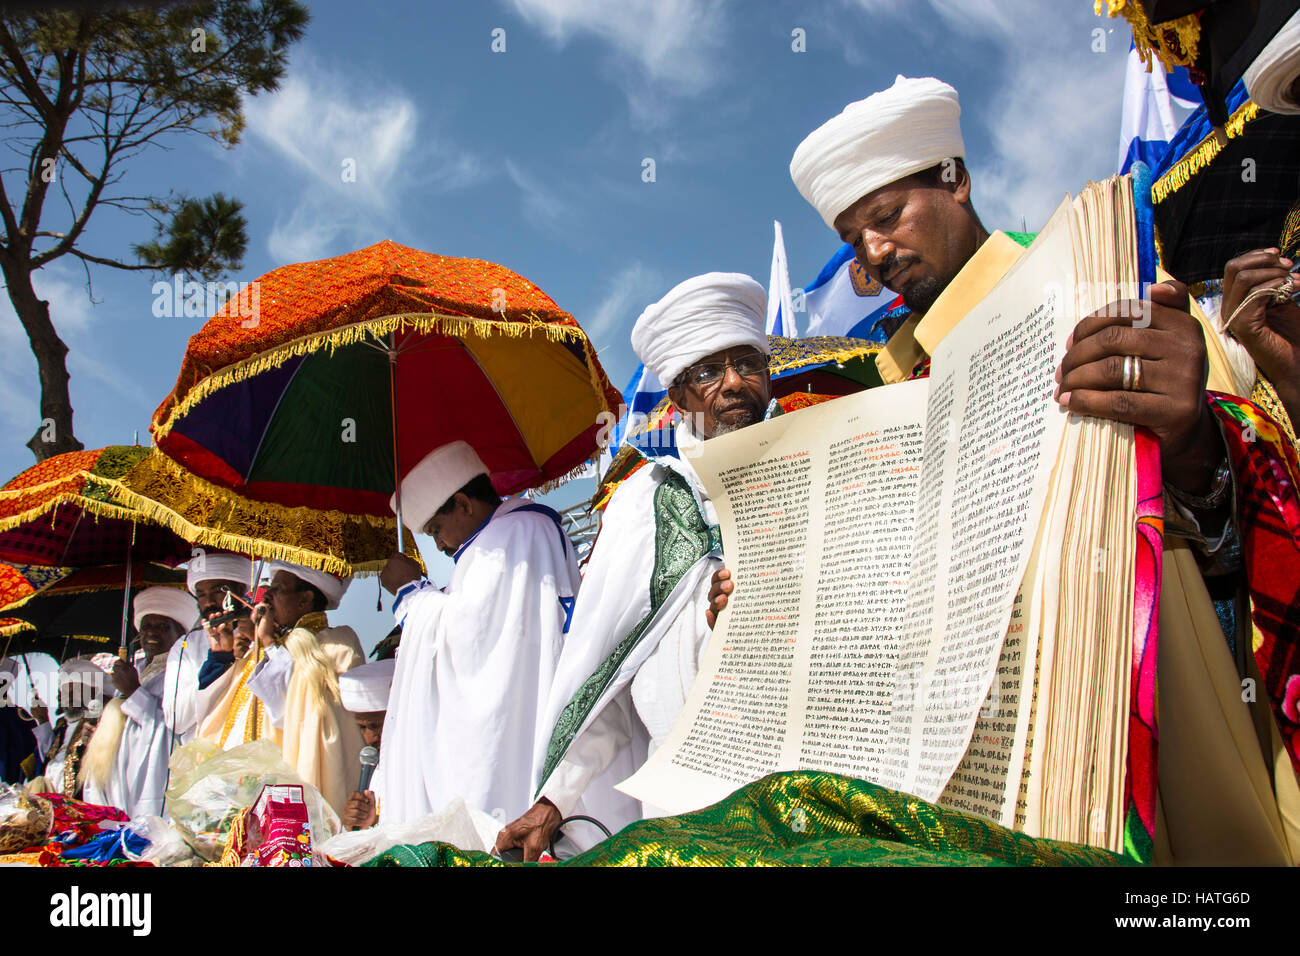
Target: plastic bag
x,y
167,847
210,789
456,824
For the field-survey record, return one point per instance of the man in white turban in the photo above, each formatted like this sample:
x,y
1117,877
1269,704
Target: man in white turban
x,y
886,174
83,691
640,628
125,764
286,690
477,657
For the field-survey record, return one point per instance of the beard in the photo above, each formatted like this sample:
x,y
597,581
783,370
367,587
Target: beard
x,y
922,294
742,418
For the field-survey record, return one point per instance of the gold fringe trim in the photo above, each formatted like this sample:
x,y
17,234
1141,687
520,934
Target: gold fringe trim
x,y
574,472
1266,397
1151,41
199,490
1183,171
9,630
99,509
422,322
838,355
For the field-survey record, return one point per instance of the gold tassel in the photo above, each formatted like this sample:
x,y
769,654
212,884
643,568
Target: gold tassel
x,y
1183,171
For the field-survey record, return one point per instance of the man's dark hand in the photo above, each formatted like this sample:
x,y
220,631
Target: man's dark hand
x,y
1170,396
719,591
533,831
398,571
359,813
1269,330
124,678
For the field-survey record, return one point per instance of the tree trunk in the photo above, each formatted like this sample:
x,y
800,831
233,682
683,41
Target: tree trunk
x,y
54,434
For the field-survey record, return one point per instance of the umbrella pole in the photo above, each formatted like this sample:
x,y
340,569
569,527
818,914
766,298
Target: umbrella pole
x,y
392,404
126,600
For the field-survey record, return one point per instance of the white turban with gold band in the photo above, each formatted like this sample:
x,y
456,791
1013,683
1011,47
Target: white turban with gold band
x,y
175,603
1269,79
430,484
330,585
913,125
703,315
217,566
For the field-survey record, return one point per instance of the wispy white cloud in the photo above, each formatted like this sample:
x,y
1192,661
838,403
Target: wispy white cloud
x,y
628,292
72,312
664,50
969,18
1053,124
359,147
543,204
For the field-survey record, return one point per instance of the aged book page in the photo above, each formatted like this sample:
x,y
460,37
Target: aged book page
x,y
874,659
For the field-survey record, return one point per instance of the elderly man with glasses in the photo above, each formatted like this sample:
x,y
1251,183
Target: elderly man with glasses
x,y
640,627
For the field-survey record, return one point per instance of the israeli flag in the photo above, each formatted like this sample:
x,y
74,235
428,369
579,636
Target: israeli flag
x,y
844,300
1151,111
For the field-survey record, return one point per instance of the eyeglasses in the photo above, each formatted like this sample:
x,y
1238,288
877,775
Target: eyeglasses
x,y
708,374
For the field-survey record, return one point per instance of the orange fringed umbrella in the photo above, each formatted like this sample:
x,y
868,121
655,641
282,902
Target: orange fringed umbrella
x,y
91,508
325,381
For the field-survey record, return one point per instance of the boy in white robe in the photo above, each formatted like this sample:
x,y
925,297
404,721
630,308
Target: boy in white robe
x,y
477,657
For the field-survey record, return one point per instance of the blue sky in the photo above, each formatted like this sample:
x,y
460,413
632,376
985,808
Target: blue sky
x,y
533,158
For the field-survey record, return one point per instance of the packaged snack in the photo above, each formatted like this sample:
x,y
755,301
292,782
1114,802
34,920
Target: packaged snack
x,y
279,831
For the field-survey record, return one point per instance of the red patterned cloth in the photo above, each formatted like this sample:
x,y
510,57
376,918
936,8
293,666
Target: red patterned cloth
x,y
1268,479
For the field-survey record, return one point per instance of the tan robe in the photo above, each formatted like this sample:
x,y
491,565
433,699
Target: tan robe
x,y
321,743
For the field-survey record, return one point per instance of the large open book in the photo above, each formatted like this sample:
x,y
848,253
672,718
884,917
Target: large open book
x,y
935,580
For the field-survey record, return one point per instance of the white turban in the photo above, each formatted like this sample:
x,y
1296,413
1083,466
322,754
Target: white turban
x,y
330,585
78,670
703,315
430,484
364,689
913,125
1269,78
175,603
217,566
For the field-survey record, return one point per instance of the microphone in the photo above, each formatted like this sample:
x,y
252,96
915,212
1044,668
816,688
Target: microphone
x,y
369,760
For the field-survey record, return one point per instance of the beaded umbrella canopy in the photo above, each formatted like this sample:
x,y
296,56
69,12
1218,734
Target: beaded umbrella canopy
x,y
64,512
307,389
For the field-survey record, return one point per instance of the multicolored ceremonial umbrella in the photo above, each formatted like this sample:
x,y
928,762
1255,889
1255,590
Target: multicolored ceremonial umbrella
x,y
16,583
65,512
803,372
99,507
307,389
80,611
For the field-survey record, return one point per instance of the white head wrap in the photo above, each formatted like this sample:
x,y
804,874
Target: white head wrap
x,y
703,315
1269,78
364,689
913,125
78,670
331,586
217,566
430,484
174,603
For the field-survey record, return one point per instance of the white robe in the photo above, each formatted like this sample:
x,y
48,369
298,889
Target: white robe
x,y
138,778
474,669
642,701
181,689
